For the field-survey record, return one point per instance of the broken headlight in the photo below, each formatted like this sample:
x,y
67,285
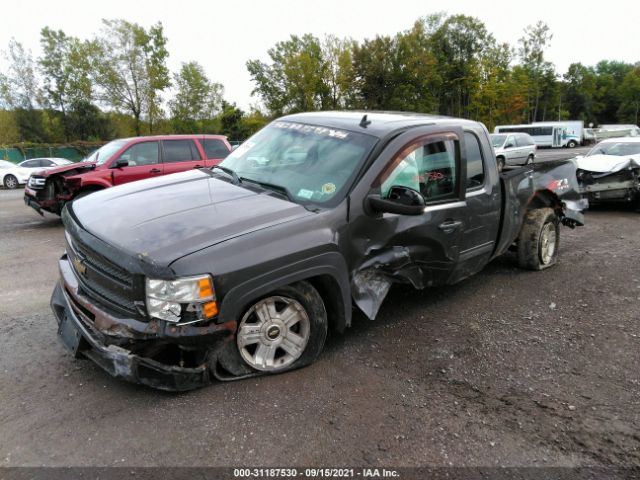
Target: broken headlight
x,y
169,299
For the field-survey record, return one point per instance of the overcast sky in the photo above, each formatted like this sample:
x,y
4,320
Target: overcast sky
x,y
223,35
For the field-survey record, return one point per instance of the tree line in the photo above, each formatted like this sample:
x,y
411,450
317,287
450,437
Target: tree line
x,y
118,84
113,85
448,65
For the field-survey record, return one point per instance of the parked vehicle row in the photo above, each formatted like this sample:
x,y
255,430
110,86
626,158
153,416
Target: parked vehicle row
x,y
568,133
241,269
123,161
13,175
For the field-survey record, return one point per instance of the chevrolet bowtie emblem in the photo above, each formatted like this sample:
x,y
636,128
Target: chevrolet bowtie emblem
x,y
81,268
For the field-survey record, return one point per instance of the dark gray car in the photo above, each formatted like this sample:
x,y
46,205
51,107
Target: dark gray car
x,y
241,269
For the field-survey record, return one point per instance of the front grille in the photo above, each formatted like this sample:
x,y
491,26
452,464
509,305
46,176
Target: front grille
x,y
105,282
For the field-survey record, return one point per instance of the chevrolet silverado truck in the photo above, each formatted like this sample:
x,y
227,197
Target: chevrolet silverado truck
x,y
242,269
123,161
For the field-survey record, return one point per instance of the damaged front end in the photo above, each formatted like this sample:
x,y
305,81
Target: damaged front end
x,y
50,192
620,186
102,314
146,351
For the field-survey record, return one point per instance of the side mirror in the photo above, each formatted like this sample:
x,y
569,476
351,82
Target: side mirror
x,y
121,162
509,145
401,200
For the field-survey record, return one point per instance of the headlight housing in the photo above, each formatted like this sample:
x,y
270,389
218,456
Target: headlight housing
x,y
171,300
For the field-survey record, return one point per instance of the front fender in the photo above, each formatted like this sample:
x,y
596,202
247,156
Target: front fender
x,y
332,264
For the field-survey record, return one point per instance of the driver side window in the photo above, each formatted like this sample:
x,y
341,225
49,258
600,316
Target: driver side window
x,y
429,168
144,153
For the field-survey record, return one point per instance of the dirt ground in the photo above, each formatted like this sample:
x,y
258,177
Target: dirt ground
x,y
508,368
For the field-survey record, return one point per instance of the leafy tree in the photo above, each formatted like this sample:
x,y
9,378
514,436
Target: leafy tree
x,y
580,92
85,122
65,67
374,72
129,68
339,72
630,96
197,98
458,42
609,78
19,86
295,80
531,51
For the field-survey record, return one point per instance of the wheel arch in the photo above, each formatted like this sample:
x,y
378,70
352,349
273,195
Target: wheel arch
x,y
327,273
546,199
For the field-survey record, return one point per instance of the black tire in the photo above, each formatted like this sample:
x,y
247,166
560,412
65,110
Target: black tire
x,y
308,297
529,160
11,182
539,226
501,163
572,144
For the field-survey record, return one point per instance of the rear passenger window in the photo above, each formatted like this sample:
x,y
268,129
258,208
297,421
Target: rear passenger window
x,y
523,141
475,166
180,151
214,148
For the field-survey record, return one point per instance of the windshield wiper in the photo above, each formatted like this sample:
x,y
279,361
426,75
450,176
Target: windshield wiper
x,y
271,186
232,173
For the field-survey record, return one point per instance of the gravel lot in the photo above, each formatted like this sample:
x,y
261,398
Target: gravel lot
x,y
508,368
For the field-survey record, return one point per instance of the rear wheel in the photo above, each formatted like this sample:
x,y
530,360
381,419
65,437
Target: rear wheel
x,y
572,144
283,331
539,239
501,163
10,182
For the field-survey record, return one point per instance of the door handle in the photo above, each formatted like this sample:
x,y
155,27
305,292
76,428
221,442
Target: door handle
x,y
198,166
449,226
155,170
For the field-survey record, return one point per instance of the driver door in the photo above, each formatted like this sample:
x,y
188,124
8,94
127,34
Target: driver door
x,y
421,249
144,162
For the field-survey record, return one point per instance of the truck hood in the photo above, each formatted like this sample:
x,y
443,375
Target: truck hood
x,y
166,218
65,168
608,163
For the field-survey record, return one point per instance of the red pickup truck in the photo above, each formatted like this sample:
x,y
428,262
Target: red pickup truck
x,y
122,161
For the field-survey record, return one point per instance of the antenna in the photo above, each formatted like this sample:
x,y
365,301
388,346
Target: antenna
x,y
364,122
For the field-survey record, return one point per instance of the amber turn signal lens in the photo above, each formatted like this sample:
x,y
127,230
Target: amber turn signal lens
x,y
206,290
210,309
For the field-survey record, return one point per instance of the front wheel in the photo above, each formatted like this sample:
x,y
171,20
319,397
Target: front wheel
x,y
501,163
572,144
529,160
11,182
283,331
539,239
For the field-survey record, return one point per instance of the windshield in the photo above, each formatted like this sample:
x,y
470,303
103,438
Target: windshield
x,y
497,140
5,164
616,148
105,152
312,164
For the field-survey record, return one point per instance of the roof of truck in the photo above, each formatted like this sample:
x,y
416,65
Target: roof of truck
x,y
381,123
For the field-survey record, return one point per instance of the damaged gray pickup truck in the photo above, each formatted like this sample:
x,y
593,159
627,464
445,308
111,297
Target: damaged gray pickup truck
x,y
243,268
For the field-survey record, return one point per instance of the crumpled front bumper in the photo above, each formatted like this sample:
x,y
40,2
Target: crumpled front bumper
x,y
83,336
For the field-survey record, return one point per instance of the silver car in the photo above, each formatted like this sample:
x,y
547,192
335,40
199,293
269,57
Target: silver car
x,y
513,148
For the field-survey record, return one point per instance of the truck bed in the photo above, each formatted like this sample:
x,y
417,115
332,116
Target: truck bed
x,y
538,183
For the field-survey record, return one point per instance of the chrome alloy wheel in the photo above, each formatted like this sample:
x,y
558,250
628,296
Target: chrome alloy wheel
x,y
548,242
273,333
